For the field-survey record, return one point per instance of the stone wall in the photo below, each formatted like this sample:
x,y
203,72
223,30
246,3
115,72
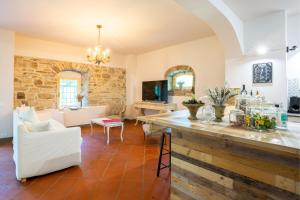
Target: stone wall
x,y
36,82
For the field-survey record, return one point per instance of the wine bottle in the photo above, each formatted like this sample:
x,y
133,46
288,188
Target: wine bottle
x,y
244,91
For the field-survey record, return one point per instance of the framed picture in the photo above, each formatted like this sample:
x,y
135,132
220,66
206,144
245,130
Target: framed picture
x,y
231,100
262,73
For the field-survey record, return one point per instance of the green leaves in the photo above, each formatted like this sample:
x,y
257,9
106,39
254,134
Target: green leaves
x,y
220,96
192,100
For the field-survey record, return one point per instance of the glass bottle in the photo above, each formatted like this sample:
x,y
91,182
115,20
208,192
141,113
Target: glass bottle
x,y
244,91
283,118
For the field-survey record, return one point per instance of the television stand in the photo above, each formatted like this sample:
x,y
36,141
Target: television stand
x,y
162,107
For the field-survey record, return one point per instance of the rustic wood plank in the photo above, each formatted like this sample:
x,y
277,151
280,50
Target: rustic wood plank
x,y
226,164
214,177
191,153
197,180
178,195
236,177
270,166
241,149
195,191
240,190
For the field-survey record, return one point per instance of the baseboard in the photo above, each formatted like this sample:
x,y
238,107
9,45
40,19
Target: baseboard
x,y
6,140
130,118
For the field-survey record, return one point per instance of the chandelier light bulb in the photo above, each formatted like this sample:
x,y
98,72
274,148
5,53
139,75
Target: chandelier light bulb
x,y
98,55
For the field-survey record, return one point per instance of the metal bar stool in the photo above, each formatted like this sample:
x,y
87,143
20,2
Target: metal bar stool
x,y
164,151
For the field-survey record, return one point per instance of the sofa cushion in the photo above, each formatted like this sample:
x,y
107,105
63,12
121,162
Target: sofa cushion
x,y
55,125
28,114
37,127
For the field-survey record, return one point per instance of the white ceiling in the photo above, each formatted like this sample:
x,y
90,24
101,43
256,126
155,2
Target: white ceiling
x,y
248,9
129,26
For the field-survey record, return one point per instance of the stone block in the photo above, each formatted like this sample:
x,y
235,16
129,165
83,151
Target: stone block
x,y
20,95
38,82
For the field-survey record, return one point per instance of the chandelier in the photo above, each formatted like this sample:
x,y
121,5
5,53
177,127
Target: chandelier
x,y
98,55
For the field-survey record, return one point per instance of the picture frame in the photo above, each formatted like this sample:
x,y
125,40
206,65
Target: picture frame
x,y
262,73
234,90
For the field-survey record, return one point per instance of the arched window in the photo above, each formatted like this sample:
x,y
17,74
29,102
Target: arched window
x,y
69,88
181,80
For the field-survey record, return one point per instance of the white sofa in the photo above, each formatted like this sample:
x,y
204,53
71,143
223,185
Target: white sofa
x,y
38,153
55,114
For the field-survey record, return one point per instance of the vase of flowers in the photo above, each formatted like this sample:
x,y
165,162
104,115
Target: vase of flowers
x,y
193,106
79,99
219,97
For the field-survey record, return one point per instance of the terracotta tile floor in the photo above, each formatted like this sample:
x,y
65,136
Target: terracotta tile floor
x,y
116,171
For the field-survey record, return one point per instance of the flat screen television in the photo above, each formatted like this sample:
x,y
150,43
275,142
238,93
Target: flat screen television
x,y
155,91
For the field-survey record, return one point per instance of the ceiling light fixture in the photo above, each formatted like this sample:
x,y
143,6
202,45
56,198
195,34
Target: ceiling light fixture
x,y
261,50
98,55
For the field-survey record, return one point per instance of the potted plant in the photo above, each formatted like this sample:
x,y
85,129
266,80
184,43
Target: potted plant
x,y
192,105
219,97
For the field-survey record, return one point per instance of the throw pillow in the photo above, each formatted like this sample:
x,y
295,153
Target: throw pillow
x,y
37,127
29,115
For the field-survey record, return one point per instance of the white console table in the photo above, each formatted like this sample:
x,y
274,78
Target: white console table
x,y
141,106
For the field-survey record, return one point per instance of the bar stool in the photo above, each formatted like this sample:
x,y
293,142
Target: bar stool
x,y
164,151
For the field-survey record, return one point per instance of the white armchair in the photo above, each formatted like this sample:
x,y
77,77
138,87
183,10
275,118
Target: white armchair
x,y
42,152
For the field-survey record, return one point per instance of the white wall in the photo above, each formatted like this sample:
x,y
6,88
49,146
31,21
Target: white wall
x,y
6,82
293,38
33,47
205,56
268,31
293,30
239,72
293,65
130,84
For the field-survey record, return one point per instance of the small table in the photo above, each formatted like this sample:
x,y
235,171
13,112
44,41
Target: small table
x,y
99,121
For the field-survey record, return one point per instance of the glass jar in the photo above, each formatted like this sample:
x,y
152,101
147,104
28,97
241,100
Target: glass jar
x,y
208,113
242,102
261,118
237,117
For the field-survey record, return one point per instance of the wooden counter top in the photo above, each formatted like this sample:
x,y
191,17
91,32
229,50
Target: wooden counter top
x,y
283,141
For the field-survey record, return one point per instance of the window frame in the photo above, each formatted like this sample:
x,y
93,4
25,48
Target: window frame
x,y
171,75
177,76
68,75
77,92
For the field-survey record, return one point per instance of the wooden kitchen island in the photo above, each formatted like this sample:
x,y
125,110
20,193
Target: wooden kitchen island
x,y
217,161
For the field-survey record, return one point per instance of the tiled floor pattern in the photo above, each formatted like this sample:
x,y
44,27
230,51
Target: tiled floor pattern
x,y
116,171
